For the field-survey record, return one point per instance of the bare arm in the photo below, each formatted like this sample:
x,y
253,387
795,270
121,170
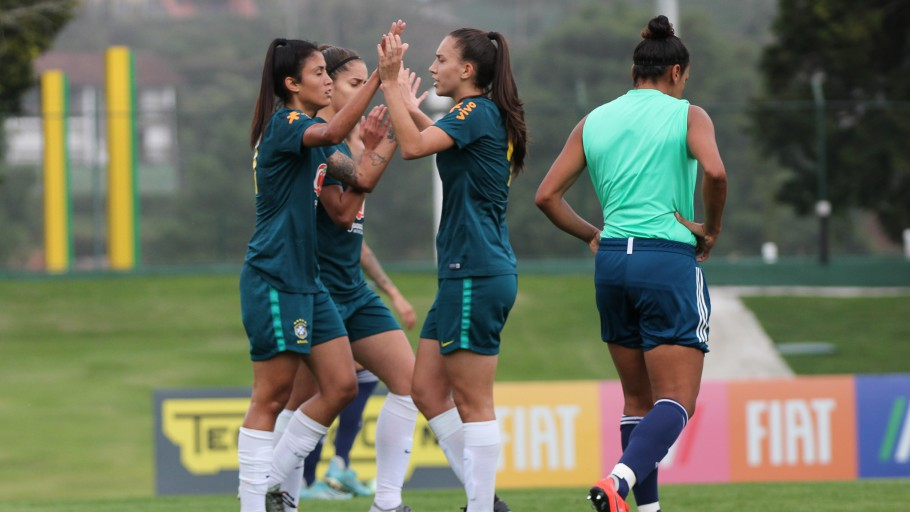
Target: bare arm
x,y
363,173
374,271
559,179
703,146
414,142
334,131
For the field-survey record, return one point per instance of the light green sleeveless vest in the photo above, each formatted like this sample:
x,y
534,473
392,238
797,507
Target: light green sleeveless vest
x,y
640,165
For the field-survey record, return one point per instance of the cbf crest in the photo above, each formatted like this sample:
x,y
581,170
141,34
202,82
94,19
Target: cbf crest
x,y
300,330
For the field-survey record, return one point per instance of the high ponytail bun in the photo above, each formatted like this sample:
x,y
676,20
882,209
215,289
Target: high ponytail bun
x,y
658,28
658,50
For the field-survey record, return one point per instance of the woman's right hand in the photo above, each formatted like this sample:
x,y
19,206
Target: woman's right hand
x,y
594,243
391,52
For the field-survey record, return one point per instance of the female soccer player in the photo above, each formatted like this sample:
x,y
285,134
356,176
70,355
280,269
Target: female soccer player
x,y
642,150
286,311
480,145
377,341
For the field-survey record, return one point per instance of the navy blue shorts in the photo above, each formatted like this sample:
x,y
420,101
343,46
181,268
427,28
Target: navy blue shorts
x,y
366,315
651,292
469,313
277,321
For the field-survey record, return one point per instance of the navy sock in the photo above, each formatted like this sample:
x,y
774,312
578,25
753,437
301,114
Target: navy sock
x,y
310,463
349,421
645,490
653,437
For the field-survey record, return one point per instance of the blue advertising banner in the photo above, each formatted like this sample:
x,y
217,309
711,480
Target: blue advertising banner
x,y
883,424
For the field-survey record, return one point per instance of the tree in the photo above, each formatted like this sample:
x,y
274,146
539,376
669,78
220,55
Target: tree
x,y
863,52
27,29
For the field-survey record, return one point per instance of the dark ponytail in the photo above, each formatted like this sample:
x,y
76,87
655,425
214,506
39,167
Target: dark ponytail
x,y
489,52
659,50
284,58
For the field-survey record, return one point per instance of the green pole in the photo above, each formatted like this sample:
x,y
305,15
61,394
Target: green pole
x,y
822,206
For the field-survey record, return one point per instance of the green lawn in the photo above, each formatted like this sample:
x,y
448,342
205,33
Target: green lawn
x,y
79,358
878,495
869,334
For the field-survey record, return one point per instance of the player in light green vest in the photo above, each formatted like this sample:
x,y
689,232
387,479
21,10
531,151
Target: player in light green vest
x,y
642,151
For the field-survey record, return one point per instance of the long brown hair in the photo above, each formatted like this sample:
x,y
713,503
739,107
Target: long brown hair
x,y
284,58
489,52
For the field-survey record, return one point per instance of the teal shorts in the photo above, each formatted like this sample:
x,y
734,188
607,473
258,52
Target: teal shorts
x,y
469,313
366,315
277,321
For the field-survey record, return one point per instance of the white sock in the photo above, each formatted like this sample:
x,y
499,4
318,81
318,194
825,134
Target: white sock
x,y
481,456
626,473
394,439
294,480
650,507
449,432
299,439
281,423
254,452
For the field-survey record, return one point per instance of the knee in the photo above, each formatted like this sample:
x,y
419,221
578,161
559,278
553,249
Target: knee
x,y
637,405
341,392
270,406
430,402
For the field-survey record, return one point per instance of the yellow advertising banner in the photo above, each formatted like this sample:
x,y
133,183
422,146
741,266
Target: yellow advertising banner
x,y
550,434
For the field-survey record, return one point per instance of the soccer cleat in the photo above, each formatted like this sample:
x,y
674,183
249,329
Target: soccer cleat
x,y
499,505
605,498
276,500
345,479
323,491
399,508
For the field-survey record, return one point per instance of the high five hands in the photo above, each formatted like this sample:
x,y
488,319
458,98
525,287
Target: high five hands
x,y
391,53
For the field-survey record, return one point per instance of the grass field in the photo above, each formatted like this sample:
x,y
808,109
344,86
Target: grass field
x,y
79,358
876,495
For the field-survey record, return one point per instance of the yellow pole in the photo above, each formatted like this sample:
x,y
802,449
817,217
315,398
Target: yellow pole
x,y
57,246
122,203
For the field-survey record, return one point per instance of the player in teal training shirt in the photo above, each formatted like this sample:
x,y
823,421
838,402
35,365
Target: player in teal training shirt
x,y
377,341
480,146
286,311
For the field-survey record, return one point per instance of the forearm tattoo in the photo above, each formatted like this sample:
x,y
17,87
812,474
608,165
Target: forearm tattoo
x,y
376,159
341,167
390,134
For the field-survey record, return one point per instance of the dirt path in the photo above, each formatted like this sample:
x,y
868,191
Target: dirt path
x,y
740,348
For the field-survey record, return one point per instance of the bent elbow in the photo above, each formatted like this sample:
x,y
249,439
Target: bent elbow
x,y
364,188
344,221
334,139
409,155
543,199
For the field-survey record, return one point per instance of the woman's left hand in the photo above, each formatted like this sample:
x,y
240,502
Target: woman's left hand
x,y
374,127
704,241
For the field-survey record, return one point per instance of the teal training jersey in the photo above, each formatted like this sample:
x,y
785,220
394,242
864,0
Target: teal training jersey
x,y
283,246
473,238
640,165
339,248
